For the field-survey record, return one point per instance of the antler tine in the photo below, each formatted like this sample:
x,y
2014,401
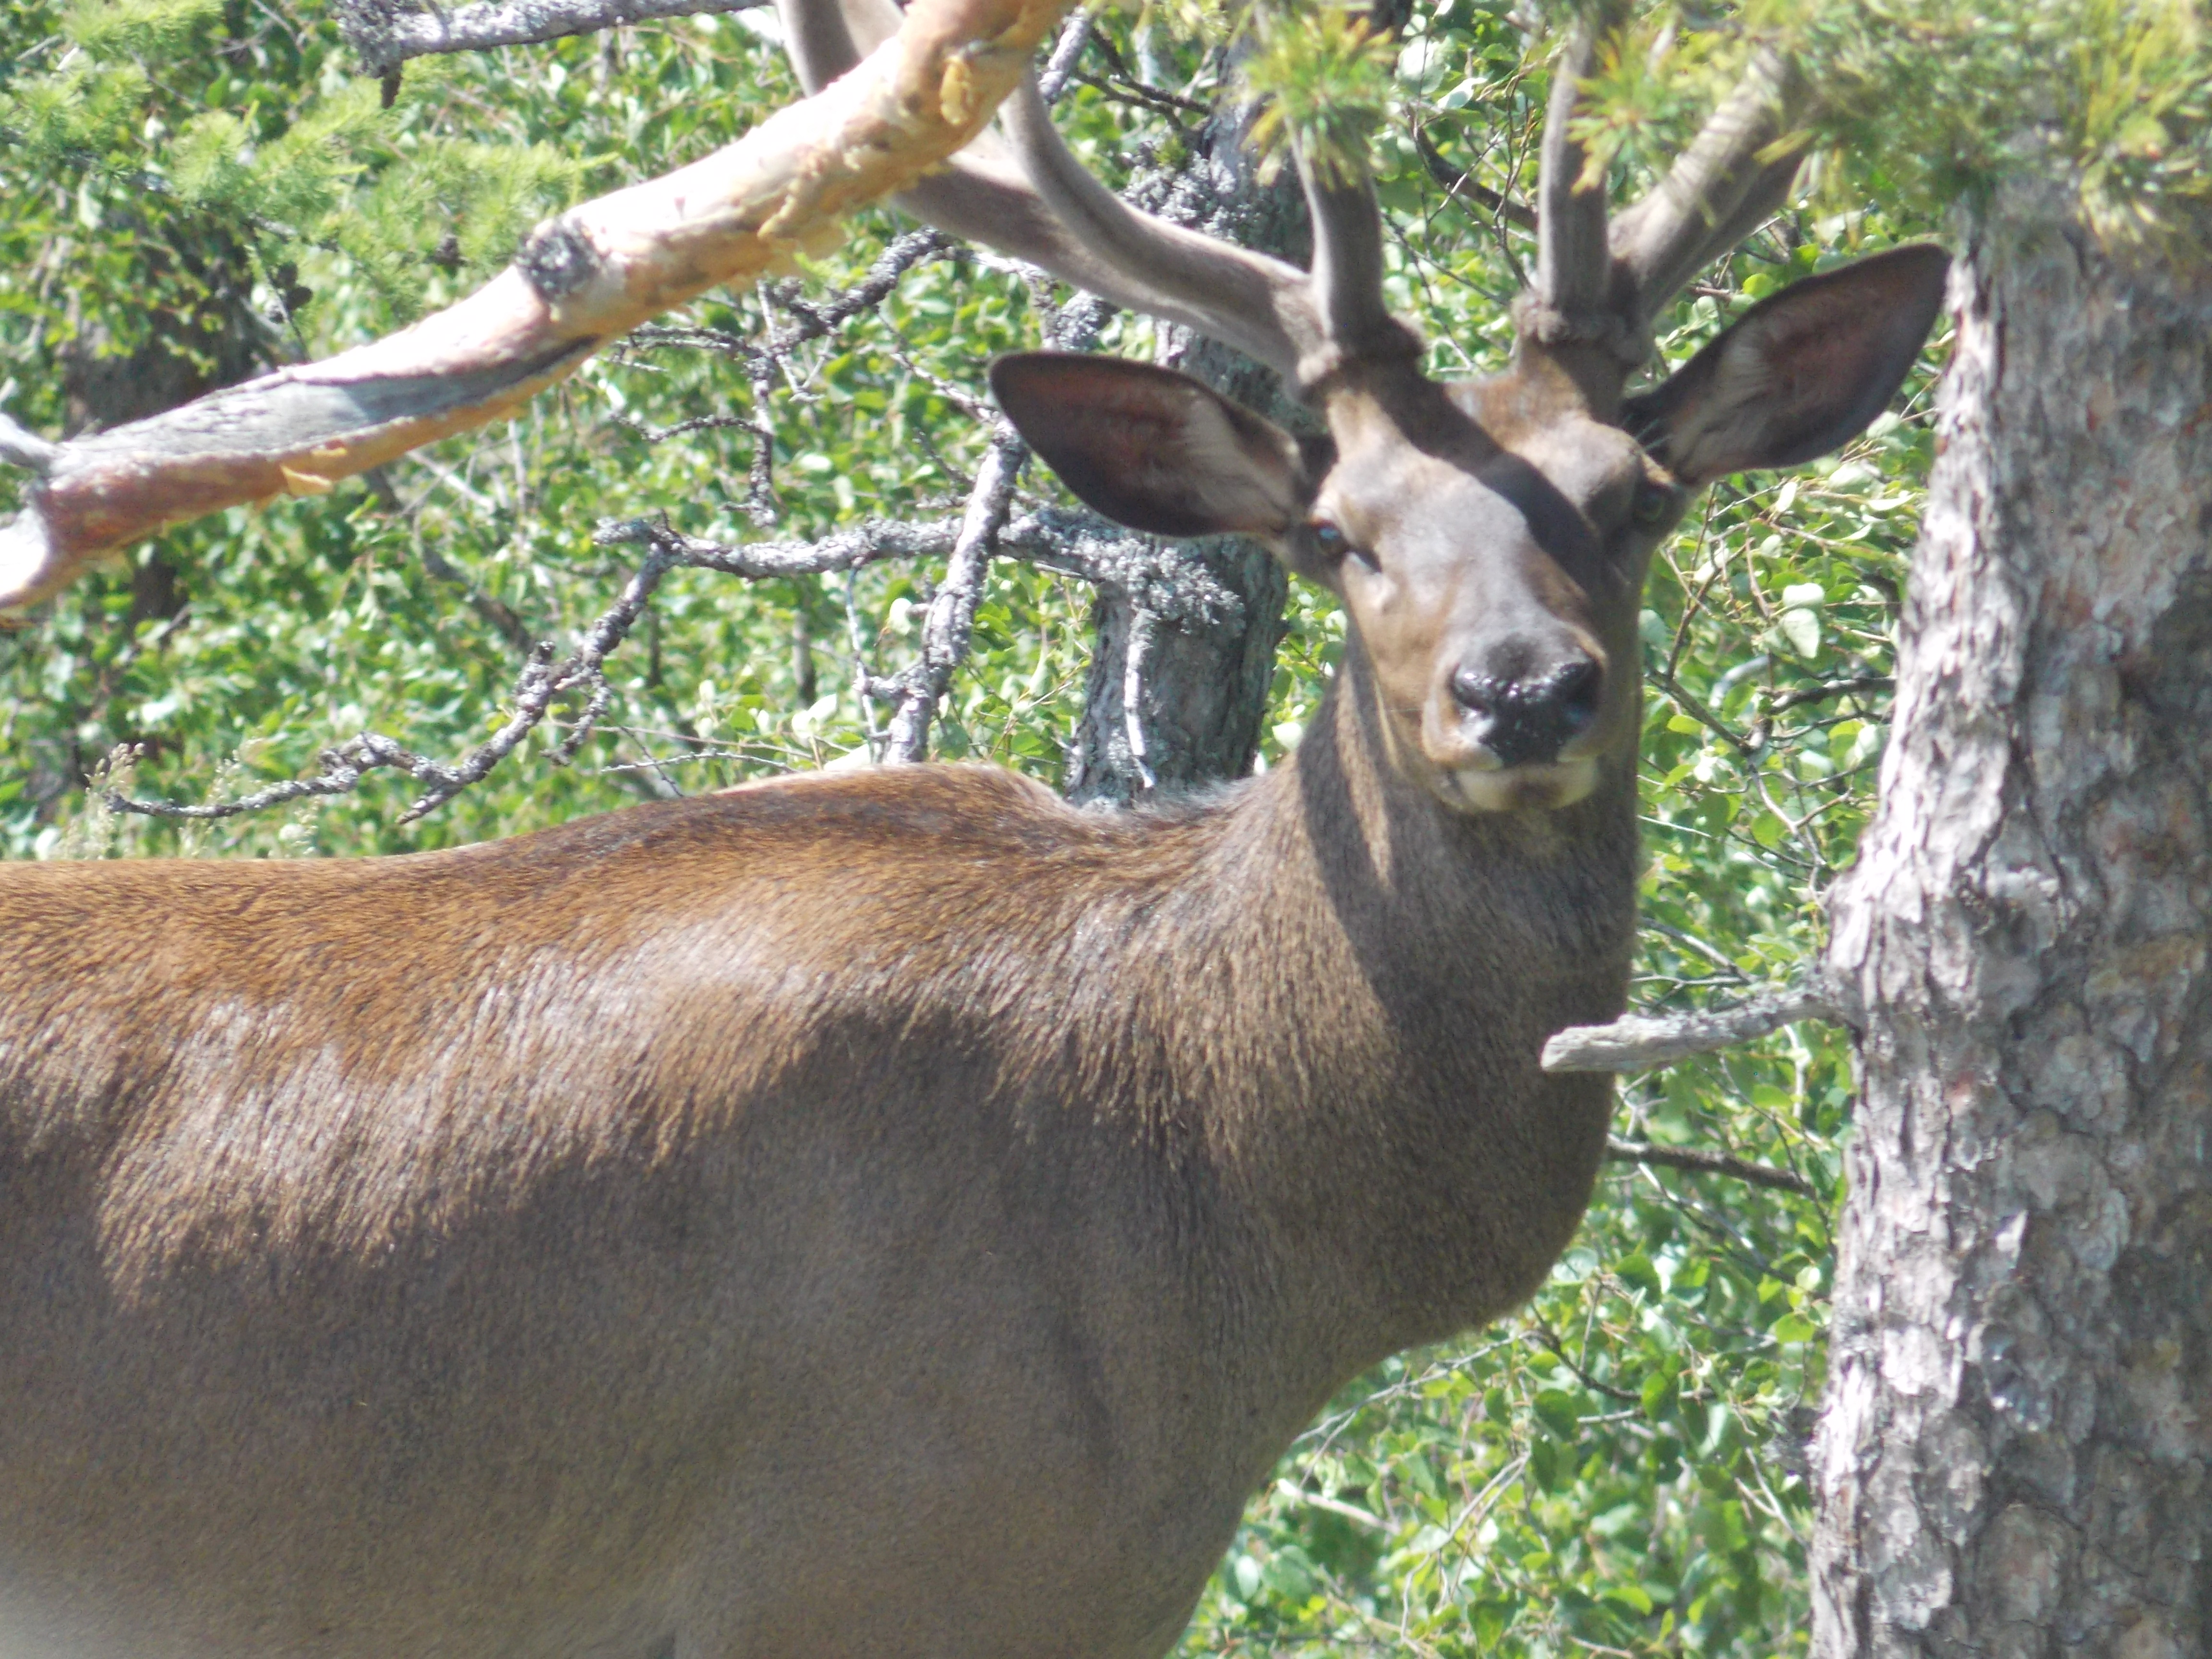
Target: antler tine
x,y
1571,252
1718,191
984,195
1573,300
1346,282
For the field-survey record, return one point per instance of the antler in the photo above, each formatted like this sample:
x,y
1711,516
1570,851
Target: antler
x,y
1028,196
1023,191
1597,288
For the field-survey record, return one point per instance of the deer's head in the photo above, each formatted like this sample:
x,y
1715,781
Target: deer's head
x,y
1488,539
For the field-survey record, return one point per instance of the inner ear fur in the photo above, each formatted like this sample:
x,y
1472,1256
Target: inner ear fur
x,y
1153,449
1800,373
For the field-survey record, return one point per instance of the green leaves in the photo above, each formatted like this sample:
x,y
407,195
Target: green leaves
x,y
1322,74
150,31
2110,100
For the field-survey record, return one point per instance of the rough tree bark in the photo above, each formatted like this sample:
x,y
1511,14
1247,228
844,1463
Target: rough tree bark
x,y
1171,704
2013,1460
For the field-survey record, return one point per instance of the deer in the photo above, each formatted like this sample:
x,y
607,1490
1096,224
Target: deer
x,y
898,1213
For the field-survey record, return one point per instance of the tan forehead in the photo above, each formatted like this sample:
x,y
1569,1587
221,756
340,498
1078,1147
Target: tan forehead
x,y
1552,429
1397,451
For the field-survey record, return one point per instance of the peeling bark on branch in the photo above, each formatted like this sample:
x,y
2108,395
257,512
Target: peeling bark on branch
x,y
581,281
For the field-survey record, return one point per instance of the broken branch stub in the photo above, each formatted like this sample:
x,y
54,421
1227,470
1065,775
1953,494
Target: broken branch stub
x,y
1635,1041
581,281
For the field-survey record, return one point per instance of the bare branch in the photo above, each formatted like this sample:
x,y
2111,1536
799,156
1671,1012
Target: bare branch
x,y
1635,1041
386,37
1683,1157
495,610
581,281
951,614
1159,577
1079,543
816,318
842,549
541,684
1822,692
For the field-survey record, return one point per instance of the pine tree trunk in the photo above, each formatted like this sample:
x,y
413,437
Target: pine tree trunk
x,y
2014,1457
1168,706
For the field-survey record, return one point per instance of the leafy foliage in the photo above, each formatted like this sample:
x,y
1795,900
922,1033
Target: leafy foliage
x,y
1321,76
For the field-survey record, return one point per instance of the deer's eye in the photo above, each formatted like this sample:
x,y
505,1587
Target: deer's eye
x,y
1333,543
1654,505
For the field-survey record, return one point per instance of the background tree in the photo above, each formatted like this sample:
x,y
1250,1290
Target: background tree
x,y
781,471
2014,1460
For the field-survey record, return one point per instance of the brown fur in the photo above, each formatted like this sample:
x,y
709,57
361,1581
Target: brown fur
x,y
889,1214
895,1214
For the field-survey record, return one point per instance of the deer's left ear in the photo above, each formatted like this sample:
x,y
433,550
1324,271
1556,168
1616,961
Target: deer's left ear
x,y
1153,449
1800,373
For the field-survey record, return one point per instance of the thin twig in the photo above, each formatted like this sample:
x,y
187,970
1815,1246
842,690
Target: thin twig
x,y
1684,1158
1459,182
542,681
1688,702
1805,693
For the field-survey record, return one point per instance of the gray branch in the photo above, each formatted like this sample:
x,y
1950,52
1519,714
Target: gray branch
x,y
1156,577
386,37
842,549
542,683
951,614
1635,1041
1080,544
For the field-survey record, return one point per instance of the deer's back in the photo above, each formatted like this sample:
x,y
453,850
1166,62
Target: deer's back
x,y
566,1224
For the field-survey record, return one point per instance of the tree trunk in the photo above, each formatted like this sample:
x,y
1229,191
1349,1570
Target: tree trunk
x,y
1170,706
2014,1457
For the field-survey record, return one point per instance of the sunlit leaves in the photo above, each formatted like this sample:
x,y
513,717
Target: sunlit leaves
x,y
1322,74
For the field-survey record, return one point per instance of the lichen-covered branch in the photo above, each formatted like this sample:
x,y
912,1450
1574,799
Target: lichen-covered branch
x,y
385,36
581,281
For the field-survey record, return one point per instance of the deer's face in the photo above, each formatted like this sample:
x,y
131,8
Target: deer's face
x,y
1489,541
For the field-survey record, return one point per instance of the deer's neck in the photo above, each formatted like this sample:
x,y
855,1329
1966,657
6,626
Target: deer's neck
x,y
1410,1169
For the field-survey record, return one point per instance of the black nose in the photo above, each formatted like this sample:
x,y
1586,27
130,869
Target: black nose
x,y
1530,718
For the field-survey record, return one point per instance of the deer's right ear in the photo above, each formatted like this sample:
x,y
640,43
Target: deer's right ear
x,y
1153,449
1800,373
